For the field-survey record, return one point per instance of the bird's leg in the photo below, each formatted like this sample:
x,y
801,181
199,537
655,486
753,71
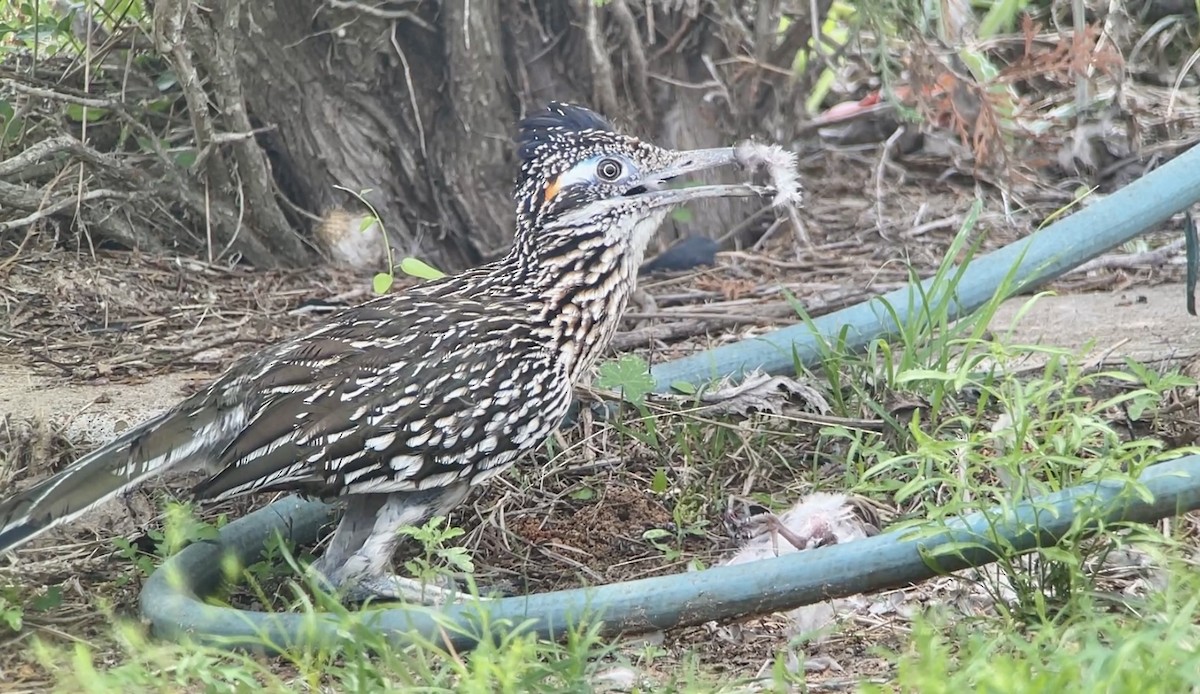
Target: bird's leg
x,y
352,532
819,536
373,561
358,561
747,519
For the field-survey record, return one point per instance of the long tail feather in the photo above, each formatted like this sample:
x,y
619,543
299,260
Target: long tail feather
x,y
175,438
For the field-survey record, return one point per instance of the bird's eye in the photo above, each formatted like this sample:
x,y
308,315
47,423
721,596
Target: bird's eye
x,y
609,169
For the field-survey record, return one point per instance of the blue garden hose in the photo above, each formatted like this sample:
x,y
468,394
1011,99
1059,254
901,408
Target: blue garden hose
x,y
173,600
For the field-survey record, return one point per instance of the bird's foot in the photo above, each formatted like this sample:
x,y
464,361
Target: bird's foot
x,y
362,587
405,589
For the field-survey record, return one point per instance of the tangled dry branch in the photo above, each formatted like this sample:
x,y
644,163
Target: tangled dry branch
x,y
101,163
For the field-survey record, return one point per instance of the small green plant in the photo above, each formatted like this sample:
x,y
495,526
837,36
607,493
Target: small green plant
x,y
419,269
438,558
382,282
670,541
181,528
276,562
14,606
30,26
658,537
583,493
931,336
1152,387
629,374
143,562
12,615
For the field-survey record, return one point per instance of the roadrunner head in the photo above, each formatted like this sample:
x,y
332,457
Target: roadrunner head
x,y
581,176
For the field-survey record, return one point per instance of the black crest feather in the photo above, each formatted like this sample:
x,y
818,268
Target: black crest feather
x,y
555,120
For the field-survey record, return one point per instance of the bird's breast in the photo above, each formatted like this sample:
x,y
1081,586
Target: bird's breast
x,y
583,318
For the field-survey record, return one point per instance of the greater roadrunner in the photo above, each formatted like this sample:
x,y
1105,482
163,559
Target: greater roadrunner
x,y
404,403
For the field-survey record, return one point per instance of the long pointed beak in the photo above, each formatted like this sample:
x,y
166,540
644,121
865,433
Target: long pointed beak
x,y
652,192
691,161
655,192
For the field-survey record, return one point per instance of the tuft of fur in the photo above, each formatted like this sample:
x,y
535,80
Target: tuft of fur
x,y
351,240
780,165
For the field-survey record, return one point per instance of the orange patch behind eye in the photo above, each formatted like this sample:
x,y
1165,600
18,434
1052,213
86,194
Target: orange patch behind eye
x,y
552,189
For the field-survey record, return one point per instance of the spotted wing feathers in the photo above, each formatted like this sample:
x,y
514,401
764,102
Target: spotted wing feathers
x,y
447,398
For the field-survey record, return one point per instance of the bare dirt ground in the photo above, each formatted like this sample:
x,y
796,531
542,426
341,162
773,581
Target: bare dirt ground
x,y
89,346
1146,323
